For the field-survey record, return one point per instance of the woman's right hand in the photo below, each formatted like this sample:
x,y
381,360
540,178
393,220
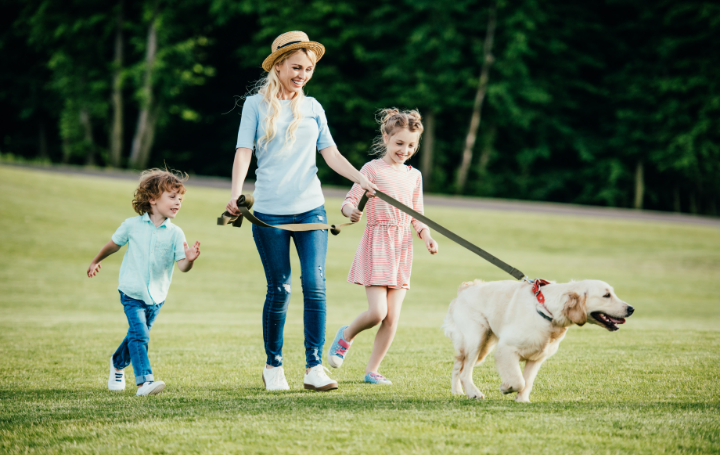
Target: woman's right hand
x,y
367,185
232,207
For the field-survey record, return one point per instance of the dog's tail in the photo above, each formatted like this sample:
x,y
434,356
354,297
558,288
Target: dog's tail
x,y
449,323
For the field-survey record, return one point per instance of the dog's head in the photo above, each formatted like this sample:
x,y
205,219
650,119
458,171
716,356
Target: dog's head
x,y
595,302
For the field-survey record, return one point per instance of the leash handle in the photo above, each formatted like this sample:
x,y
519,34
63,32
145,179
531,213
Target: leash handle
x,y
246,200
226,218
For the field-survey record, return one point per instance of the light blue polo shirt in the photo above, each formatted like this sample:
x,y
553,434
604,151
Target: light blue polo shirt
x,y
148,264
286,177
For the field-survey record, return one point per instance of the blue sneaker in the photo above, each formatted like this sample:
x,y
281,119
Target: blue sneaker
x,y
377,378
338,349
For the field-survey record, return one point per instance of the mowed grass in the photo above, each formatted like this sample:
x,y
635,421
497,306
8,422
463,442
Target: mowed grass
x,y
652,387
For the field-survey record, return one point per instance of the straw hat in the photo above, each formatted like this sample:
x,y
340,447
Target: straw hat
x,y
289,42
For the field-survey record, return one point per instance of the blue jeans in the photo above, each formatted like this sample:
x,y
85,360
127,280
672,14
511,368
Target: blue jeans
x,y
274,248
134,347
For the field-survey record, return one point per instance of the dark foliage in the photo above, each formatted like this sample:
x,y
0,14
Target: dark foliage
x,y
598,102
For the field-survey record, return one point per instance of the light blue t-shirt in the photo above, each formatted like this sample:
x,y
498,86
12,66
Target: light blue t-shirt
x,y
286,177
147,266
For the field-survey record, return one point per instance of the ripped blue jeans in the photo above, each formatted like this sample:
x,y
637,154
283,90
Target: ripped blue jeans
x,y
274,248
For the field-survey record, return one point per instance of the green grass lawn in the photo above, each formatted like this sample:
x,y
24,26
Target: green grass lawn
x,y
652,387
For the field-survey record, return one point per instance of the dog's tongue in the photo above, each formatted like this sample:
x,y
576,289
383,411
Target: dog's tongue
x,y
616,321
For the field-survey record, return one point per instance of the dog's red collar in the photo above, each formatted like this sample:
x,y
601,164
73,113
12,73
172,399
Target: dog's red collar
x,y
537,284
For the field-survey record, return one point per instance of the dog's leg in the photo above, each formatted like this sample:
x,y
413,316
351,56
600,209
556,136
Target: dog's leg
x,y
507,361
457,369
487,347
466,378
474,345
490,341
531,370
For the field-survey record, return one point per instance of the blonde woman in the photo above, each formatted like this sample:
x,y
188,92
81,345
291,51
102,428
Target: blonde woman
x,y
285,128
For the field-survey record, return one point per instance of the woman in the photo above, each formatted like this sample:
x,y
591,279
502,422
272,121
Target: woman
x,y
286,127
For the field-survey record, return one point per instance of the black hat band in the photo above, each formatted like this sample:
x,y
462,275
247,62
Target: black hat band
x,y
287,44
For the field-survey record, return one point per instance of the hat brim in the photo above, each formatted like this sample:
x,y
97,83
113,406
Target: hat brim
x,y
318,48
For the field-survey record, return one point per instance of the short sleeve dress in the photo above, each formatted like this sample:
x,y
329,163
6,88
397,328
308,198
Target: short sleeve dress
x,y
384,256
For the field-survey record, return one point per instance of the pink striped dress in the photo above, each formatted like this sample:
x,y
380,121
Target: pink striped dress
x,y
384,256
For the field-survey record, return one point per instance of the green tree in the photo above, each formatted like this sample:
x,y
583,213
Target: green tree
x,y
668,103
174,60
75,72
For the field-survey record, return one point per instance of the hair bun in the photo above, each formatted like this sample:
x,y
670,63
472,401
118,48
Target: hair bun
x,y
388,113
414,114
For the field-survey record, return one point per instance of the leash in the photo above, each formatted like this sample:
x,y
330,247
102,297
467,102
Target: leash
x,y
245,203
517,274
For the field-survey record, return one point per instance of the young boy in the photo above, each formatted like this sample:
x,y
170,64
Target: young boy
x,y
155,243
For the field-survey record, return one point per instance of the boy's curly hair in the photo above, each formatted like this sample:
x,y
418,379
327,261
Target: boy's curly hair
x,y
153,183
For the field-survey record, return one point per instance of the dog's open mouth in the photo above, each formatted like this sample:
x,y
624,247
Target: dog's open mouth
x,y
607,321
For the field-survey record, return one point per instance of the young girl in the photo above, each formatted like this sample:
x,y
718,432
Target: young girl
x,y
155,244
384,257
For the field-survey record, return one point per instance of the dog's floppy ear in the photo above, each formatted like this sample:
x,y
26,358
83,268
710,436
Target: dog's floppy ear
x,y
575,308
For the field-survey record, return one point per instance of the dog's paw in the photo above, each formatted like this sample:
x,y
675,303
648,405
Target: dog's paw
x,y
476,395
506,388
522,399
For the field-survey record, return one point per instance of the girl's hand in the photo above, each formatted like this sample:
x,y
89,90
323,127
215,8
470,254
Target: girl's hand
x,y
232,207
430,243
352,212
355,215
367,185
192,253
93,269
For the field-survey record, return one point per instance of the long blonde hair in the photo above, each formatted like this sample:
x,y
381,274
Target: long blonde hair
x,y
269,87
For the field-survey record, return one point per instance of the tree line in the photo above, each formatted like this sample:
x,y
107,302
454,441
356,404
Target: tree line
x,y
603,102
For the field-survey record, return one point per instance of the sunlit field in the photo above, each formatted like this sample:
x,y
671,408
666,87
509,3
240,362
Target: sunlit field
x,y
652,387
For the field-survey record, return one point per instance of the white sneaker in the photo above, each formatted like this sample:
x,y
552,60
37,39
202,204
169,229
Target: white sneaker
x,y
116,381
274,379
151,388
316,379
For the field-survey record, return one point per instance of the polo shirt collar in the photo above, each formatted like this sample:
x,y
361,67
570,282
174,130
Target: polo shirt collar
x,y
146,217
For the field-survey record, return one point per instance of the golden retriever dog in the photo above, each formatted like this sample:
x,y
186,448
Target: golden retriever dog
x,y
524,326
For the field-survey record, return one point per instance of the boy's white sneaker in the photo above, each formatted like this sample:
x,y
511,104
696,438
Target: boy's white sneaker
x,y
274,379
151,388
116,381
316,379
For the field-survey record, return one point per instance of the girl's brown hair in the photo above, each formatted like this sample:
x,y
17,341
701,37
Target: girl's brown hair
x,y
153,183
391,120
